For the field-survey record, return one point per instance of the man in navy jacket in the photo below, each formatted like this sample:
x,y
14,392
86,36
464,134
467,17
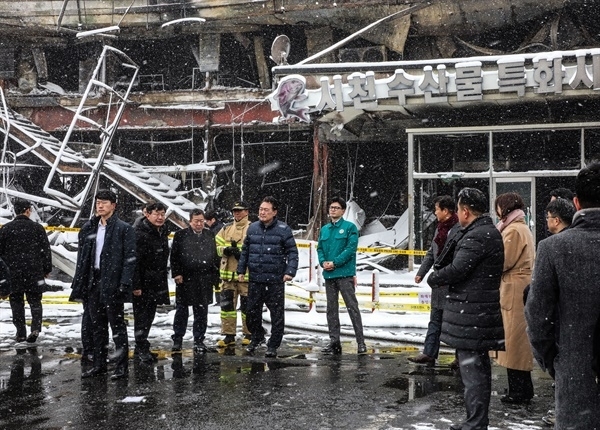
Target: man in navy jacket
x,y
271,257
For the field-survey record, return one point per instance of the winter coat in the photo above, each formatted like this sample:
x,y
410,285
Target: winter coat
x,y
152,251
338,243
117,261
216,227
269,252
194,256
439,293
235,231
472,319
4,279
566,275
519,255
25,249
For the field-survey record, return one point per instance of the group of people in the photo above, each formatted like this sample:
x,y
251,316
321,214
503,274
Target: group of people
x,y
492,297
119,263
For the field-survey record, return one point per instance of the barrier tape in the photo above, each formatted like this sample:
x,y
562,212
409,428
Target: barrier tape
x,y
379,250
416,252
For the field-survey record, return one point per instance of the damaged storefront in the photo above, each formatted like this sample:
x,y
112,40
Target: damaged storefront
x,y
524,123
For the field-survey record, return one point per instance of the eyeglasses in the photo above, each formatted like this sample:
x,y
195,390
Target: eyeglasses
x,y
335,208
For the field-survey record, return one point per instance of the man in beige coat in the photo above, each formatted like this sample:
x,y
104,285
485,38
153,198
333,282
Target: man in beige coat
x,y
519,256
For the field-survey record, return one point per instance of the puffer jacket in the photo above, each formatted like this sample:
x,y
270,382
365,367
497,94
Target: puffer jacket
x,y
269,252
472,319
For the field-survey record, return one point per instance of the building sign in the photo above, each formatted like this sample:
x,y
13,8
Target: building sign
x,y
460,80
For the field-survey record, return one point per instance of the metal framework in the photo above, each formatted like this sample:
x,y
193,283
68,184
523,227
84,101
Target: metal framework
x,y
490,173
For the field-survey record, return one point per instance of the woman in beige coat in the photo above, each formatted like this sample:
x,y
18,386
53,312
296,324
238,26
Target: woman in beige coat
x,y
519,255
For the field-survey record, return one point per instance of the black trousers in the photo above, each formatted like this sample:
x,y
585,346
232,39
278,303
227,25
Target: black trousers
x,y
102,315
17,305
87,331
476,374
272,295
520,385
144,311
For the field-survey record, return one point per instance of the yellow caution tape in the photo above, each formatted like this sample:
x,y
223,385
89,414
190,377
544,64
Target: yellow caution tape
x,y
63,229
393,251
402,307
378,250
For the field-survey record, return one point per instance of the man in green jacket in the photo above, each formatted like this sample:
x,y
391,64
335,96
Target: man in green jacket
x,y
337,246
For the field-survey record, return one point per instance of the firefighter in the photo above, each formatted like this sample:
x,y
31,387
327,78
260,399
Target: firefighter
x,y
229,243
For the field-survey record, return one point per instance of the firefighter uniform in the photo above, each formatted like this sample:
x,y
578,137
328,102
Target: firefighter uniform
x,y
229,243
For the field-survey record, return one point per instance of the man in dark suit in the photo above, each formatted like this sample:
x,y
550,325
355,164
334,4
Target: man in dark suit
x,y
106,262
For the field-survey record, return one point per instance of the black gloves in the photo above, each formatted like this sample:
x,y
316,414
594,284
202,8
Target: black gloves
x,y
232,250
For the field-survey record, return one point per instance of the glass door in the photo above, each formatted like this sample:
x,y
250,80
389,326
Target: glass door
x,y
525,187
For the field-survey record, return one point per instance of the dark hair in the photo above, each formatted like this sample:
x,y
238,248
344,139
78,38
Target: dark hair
x,y
155,206
210,215
107,195
196,212
474,199
272,200
587,186
338,200
563,209
21,205
562,193
508,202
445,202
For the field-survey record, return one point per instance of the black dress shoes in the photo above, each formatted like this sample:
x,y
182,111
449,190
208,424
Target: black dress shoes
x,y
120,373
271,353
510,400
94,371
334,348
254,345
422,359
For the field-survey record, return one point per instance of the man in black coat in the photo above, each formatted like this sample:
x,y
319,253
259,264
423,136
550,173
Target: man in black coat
x,y
151,277
103,280
447,227
194,264
25,249
472,321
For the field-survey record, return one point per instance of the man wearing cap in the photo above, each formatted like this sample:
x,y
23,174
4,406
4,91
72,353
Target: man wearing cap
x,y
25,249
103,280
229,243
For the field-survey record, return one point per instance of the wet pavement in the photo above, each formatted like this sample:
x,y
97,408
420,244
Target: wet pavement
x,y
41,388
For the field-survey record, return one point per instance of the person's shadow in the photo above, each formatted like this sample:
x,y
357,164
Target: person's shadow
x,y
22,385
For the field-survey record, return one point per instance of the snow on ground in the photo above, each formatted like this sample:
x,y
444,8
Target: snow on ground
x,y
62,318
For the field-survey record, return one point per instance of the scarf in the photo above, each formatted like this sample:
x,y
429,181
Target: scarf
x,y
443,228
517,215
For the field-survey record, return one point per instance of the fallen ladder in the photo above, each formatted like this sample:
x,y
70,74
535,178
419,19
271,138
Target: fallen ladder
x,y
63,160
